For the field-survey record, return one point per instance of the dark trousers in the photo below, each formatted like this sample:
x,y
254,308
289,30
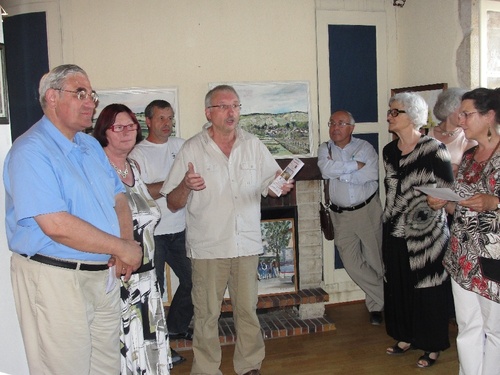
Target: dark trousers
x,y
171,249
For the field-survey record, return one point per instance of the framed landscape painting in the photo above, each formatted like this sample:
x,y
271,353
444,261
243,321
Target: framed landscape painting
x,y
278,113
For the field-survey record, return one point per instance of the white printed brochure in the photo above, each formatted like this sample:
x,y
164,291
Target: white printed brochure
x,y
288,173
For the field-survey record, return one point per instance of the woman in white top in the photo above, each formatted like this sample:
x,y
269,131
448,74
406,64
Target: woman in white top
x,y
446,110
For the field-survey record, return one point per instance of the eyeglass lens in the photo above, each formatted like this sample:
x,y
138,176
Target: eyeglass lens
x,y
83,94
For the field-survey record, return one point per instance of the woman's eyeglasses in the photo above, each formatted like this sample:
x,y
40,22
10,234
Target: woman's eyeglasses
x,y
120,128
394,112
466,115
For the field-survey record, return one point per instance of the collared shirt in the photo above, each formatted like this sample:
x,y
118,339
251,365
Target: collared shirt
x,y
155,161
349,185
223,220
44,172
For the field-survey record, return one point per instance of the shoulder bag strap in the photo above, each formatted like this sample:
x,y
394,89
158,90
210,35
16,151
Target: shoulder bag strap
x,y
326,184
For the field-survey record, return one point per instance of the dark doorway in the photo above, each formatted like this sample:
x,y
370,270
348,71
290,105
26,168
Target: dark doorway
x,y
26,60
353,70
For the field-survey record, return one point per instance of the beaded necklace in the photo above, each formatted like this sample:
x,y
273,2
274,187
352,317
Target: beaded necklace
x,y
124,173
445,133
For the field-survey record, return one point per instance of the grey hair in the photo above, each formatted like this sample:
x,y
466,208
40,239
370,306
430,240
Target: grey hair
x,y
415,106
210,94
351,117
56,78
448,102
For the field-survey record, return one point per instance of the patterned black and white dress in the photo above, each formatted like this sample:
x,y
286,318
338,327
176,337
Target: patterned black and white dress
x,y
143,338
416,286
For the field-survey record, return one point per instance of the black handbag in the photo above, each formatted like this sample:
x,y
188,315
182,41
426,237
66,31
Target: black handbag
x,y
326,221
324,211
490,268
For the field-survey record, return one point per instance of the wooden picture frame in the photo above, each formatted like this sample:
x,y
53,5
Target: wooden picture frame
x,y
429,93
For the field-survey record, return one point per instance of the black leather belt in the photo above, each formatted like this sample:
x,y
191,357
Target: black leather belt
x,y
339,209
144,268
66,264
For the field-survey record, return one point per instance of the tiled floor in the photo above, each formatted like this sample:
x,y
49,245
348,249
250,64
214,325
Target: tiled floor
x,y
278,318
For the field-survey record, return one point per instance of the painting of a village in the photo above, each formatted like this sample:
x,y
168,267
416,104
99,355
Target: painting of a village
x,y
278,114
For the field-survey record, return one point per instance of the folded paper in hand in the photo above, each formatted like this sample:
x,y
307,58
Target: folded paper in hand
x,y
289,172
110,285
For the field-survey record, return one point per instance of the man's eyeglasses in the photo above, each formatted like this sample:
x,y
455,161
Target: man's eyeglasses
x,y
120,128
340,124
82,94
394,112
225,107
466,115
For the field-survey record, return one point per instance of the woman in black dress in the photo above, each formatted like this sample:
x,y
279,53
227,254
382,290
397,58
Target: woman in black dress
x,y
415,236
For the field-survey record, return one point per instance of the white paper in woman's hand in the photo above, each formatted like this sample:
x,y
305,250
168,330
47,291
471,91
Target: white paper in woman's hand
x,y
441,193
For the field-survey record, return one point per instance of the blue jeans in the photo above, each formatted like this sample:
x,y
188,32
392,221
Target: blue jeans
x,y
171,249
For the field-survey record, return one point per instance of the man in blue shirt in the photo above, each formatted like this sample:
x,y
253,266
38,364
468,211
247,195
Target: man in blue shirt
x,y
351,166
67,220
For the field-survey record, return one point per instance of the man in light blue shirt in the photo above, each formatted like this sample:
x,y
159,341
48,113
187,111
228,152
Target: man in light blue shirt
x,y
351,166
67,220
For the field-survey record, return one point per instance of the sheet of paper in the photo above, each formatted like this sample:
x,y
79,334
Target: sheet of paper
x,y
111,279
441,193
289,172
